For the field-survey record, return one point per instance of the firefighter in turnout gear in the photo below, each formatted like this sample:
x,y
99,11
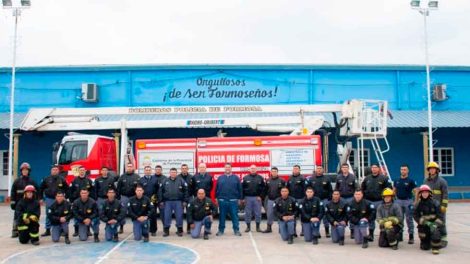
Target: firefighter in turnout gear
x,y
17,192
440,194
253,187
200,213
112,213
48,190
60,213
361,214
27,213
85,212
311,212
373,186
429,218
272,191
285,208
323,189
390,219
140,209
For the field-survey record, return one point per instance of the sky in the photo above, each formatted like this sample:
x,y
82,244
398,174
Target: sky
x,y
92,32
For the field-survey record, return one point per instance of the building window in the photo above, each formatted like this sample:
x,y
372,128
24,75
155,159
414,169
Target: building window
x,y
445,158
354,158
4,162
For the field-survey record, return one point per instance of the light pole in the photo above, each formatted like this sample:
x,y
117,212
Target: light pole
x,y
424,10
16,8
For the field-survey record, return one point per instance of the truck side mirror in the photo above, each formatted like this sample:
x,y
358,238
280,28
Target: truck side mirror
x,y
55,150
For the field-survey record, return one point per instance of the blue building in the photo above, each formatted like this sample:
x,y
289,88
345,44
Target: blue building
x,y
245,85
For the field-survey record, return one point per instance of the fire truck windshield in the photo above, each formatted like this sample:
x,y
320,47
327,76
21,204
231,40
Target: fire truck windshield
x,y
72,151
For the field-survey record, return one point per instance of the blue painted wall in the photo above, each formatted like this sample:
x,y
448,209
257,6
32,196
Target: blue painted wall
x,y
403,87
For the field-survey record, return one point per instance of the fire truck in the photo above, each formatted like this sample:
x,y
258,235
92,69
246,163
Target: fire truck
x,y
362,120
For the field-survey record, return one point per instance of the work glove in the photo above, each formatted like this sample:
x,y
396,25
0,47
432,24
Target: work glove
x,y
33,218
443,209
394,220
26,221
422,220
153,199
439,222
382,221
388,225
13,205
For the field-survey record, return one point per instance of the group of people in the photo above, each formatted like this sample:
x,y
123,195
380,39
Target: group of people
x,y
313,200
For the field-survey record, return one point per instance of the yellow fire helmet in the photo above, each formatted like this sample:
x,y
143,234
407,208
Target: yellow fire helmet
x,y
433,164
388,192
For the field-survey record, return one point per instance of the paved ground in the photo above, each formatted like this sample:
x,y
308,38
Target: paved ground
x,y
250,248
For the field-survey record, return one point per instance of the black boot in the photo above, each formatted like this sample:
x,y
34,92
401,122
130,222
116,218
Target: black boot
x,y
14,233
327,232
365,243
371,235
115,238
290,240
35,242
75,231
146,239
166,232
315,241
257,228
341,241
268,229
188,229
67,240
248,228
206,236
88,231
121,229
179,232
96,238
352,233
411,239
47,233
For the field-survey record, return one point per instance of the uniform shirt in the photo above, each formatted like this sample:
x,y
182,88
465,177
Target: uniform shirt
x,y
188,178
273,187
78,184
336,211
296,186
373,186
359,210
310,208
58,210
173,190
85,209
112,210
27,207
51,185
150,184
321,184
253,185
198,209
427,207
139,207
102,184
201,181
346,185
228,187
17,189
390,209
127,183
439,189
404,188
285,207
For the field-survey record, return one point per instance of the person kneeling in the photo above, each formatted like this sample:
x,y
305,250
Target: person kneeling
x,y
27,213
140,211
430,220
285,208
336,213
200,212
390,219
311,212
60,213
85,211
112,213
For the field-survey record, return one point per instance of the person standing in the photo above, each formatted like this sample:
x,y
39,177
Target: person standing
x,y
188,178
79,183
17,192
404,187
151,185
228,193
48,190
440,194
173,195
296,185
273,191
126,188
202,180
253,187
